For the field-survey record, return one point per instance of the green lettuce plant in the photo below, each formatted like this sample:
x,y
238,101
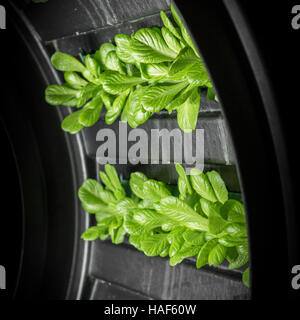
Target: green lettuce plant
x,y
151,70
195,219
138,75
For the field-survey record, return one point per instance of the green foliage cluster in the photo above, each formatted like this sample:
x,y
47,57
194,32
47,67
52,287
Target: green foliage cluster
x,y
202,221
153,69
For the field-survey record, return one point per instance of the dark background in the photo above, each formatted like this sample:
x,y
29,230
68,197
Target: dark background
x,y
109,265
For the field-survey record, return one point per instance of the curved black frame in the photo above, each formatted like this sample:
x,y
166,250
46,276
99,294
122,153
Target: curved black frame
x,y
228,48
54,259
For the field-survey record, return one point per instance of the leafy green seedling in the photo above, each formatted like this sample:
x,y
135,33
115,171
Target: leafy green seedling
x,y
154,69
160,224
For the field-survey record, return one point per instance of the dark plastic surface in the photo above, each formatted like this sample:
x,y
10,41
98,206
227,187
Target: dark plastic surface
x,y
252,108
71,268
48,171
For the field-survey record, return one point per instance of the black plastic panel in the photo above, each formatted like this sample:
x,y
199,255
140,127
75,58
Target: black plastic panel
x,y
102,270
59,19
